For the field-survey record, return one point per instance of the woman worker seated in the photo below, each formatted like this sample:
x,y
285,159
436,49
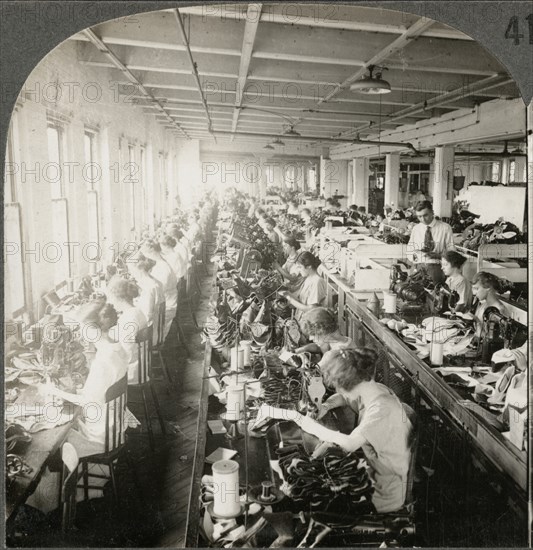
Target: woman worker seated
x,y
312,292
120,294
110,364
452,263
321,326
383,427
290,269
486,287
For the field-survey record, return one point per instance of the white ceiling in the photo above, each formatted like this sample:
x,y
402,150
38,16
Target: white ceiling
x,y
265,67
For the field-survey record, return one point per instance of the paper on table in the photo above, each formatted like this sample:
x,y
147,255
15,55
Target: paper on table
x,y
220,454
284,356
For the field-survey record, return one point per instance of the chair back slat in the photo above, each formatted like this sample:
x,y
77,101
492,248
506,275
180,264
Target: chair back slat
x,y
144,351
69,487
115,399
161,319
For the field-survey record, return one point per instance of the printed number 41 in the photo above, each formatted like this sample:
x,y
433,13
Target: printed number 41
x,y
512,29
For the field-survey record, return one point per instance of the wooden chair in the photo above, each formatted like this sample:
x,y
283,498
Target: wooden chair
x,y
160,339
69,486
115,439
144,347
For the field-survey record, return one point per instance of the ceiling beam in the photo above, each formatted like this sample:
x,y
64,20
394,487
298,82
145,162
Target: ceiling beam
x,y
104,49
275,56
250,30
193,66
411,33
323,22
257,77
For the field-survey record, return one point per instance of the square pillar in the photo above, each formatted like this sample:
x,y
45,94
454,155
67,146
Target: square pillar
x,y
443,170
505,171
520,169
392,179
360,182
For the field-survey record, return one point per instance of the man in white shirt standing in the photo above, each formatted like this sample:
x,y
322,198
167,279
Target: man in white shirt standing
x,y
429,239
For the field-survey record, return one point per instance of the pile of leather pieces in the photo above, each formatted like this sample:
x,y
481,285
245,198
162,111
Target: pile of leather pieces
x,y
335,480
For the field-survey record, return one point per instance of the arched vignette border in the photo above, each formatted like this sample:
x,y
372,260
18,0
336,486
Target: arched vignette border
x,y
25,39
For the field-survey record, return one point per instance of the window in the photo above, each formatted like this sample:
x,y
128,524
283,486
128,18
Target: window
x,y
10,170
495,171
269,174
55,158
145,212
512,171
91,174
58,251
14,295
130,180
290,176
91,170
312,184
163,193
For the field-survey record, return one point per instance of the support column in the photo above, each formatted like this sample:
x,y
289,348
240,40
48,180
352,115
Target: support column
x,y
360,182
505,172
520,169
392,179
322,177
262,179
443,181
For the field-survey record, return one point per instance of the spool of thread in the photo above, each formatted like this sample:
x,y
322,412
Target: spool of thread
x,y
234,402
246,346
436,354
389,302
237,358
266,491
226,489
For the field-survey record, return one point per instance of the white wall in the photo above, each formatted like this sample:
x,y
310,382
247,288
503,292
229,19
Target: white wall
x,y
334,177
60,87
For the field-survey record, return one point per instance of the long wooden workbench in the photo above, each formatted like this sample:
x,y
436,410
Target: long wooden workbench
x,y
507,458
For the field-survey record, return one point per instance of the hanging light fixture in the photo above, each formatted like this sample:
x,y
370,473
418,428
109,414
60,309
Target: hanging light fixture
x,y
269,147
371,84
291,132
278,141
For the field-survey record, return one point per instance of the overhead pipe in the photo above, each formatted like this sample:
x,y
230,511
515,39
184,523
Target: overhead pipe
x,y
446,97
487,154
321,139
194,71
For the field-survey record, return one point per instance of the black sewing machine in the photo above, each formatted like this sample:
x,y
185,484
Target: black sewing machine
x,y
443,299
411,289
498,332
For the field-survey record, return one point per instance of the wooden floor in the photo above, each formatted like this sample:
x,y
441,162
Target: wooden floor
x,y
175,452
153,498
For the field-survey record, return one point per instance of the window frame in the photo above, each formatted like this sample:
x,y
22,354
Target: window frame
x,y
60,131
9,303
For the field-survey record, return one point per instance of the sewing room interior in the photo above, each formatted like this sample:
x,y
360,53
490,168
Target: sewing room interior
x,y
265,285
